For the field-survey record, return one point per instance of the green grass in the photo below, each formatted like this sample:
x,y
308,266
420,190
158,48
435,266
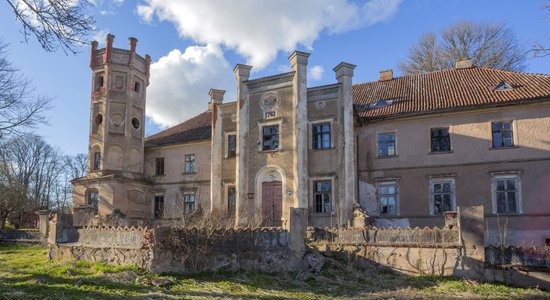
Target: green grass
x,y
25,273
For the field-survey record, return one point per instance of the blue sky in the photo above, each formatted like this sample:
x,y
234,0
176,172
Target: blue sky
x,y
195,44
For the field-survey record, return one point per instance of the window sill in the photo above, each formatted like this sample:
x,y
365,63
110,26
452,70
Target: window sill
x,y
387,156
270,151
505,214
322,149
440,152
503,148
159,175
230,157
188,173
322,215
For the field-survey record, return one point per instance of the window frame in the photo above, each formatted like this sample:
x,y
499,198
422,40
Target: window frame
x,y
88,196
227,153
158,168
190,166
379,196
394,144
501,133
313,204
231,212
442,180
186,196
518,191
96,162
261,125
158,213
439,138
312,135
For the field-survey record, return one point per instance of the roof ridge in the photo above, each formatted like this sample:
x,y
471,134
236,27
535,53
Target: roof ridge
x,y
174,126
449,70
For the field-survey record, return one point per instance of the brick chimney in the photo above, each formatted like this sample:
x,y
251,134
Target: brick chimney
x,y
132,41
386,75
463,63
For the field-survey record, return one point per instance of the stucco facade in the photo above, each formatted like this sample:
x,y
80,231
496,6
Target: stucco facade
x,y
329,149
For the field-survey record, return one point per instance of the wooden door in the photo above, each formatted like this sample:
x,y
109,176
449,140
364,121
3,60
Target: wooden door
x,y
272,203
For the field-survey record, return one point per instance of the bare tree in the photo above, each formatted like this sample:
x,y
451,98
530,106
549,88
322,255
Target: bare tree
x,y
20,108
76,165
540,50
54,23
487,45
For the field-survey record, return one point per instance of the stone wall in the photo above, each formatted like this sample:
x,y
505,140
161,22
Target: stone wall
x,y
21,236
196,250
434,251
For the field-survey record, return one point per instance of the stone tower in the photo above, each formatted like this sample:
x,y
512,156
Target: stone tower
x,y
114,182
120,78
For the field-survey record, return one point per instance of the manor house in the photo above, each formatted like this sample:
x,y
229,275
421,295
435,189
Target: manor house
x,y
404,149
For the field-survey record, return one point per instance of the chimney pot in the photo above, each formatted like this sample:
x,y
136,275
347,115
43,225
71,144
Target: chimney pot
x,y
386,75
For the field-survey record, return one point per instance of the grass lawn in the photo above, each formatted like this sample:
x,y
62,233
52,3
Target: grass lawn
x,y
25,273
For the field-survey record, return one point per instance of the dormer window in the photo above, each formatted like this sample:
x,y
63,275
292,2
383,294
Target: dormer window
x,y
381,103
503,86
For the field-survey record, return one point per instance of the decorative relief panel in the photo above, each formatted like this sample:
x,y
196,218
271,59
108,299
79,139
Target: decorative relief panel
x,y
270,105
117,119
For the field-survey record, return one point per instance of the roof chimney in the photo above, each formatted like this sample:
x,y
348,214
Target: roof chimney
x,y
216,98
132,41
386,75
463,63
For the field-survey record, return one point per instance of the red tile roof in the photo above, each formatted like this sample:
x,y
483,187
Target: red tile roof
x,y
453,89
449,90
194,129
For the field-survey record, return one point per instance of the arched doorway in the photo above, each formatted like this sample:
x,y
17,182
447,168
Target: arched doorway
x,y
269,185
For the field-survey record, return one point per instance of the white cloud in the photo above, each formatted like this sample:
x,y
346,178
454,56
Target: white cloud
x,y
316,73
257,30
180,82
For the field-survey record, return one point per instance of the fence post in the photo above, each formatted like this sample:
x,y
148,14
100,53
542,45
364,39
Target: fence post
x,y
472,228
43,223
297,230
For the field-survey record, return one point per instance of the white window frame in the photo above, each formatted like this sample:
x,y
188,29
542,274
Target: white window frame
x,y
378,198
312,197
186,193
185,171
261,126
441,180
500,176
378,144
311,123
226,139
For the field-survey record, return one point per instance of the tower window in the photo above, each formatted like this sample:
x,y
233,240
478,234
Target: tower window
x,y
137,87
135,123
93,199
320,137
159,166
99,81
97,161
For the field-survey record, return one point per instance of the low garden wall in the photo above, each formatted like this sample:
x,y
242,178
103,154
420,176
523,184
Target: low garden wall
x,y
21,236
434,250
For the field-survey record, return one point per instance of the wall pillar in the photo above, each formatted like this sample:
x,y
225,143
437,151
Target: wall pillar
x,y
243,207
471,224
216,189
347,148
43,225
299,62
297,231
